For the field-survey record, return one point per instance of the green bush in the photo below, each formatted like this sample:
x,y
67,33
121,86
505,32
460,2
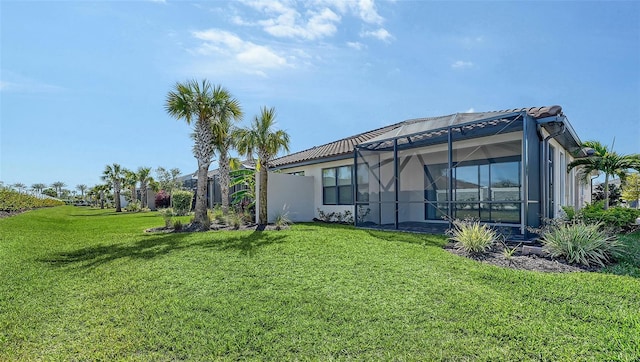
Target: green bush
x,y
167,214
15,201
471,236
618,218
134,206
282,221
581,243
235,220
182,201
217,215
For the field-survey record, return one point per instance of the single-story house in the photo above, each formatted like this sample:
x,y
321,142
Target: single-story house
x,y
214,192
506,168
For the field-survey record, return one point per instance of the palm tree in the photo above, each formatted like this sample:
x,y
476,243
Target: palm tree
x,y
266,142
605,160
82,188
199,103
38,188
114,175
145,179
227,111
58,185
20,186
130,181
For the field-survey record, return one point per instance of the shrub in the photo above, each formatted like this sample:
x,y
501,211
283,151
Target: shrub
x,y
217,215
167,214
235,220
134,206
282,221
569,212
182,201
162,199
618,218
177,224
581,243
15,201
471,236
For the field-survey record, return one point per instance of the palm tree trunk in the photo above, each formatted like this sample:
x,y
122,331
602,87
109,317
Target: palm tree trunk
x,y
606,191
262,216
201,195
116,195
143,191
224,180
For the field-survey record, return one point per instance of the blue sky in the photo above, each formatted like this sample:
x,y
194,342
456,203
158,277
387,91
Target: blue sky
x,y
83,84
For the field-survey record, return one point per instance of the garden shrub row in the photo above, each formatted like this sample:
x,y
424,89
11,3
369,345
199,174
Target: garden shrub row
x,y
13,201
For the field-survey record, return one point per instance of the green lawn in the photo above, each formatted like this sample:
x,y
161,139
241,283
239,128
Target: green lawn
x,y
80,284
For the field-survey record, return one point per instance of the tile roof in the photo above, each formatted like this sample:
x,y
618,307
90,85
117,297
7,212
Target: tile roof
x,y
345,146
336,148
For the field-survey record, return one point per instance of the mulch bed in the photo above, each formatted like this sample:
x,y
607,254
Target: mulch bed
x,y
216,227
4,213
519,261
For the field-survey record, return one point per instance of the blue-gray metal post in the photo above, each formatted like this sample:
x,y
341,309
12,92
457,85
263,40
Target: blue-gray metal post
x,y
396,179
450,174
355,186
525,174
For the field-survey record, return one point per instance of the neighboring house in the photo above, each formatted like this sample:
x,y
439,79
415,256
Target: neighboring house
x,y
505,168
214,193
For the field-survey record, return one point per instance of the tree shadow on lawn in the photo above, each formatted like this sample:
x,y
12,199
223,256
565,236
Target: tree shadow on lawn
x,y
247,244
152,246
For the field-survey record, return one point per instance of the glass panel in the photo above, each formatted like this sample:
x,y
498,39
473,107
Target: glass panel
x,y
505,212
330,196
345,194
363,174
344,175
329,177
466,183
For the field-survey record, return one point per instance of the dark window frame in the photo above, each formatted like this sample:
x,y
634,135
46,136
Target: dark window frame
x,y
340,190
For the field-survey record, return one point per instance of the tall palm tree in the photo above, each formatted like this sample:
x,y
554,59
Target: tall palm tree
x,y
605,160
198,103
58,185
144,177
228,111
38,188
266,142
130,181
82,188
20,186
114,175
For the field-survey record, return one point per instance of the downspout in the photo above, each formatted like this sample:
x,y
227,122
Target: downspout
x,y
545,168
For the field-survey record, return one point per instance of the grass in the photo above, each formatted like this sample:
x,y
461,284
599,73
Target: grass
x,y
80,284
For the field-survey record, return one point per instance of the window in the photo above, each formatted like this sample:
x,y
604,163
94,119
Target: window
x,y
487,190
337,186
298,173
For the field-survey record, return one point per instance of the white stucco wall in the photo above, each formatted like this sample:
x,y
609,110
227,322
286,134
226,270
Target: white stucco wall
x,y
290,195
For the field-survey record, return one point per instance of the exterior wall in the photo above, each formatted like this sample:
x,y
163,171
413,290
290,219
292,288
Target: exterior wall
x,y
315,172
569,190
287,194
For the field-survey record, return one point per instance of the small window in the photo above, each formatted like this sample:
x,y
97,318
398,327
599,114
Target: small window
x,y
298,173
337,186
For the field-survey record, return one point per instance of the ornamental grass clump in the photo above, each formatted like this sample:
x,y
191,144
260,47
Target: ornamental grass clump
x,y
471,236
580,243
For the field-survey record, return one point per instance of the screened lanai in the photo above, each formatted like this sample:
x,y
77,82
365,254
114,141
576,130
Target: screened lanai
x,y
419,176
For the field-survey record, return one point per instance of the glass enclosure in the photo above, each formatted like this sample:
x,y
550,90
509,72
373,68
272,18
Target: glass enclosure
x,y
418,181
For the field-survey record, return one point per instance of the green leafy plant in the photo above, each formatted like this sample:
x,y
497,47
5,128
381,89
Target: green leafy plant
x,y
11,200
472,236
235,220
217,215
133,206
617,218
507,252
177,224
182,201
581,243
569,212
167,214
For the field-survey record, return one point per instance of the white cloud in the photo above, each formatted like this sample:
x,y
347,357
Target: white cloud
x,y
355,45
460,64
381,34
253,57
308,20
470,110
